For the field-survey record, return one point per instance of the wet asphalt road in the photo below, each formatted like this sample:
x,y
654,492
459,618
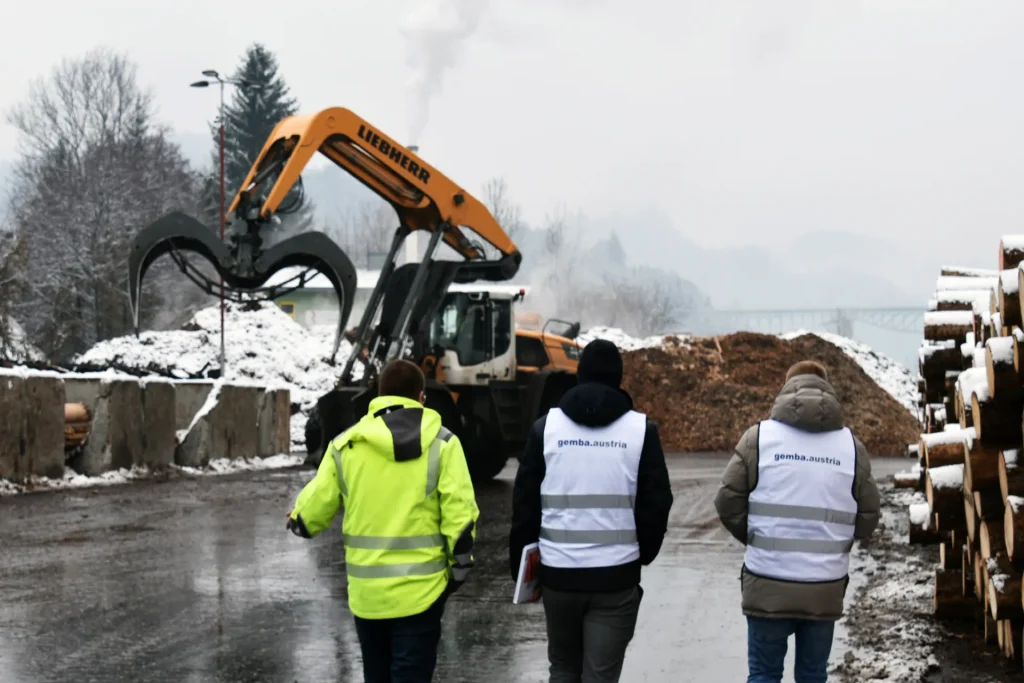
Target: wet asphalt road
x,y
196,580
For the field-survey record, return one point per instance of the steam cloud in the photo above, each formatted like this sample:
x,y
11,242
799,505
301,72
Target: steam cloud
x,y
434,33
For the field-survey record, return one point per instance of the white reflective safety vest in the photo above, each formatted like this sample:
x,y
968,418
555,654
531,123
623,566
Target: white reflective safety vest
x,y
588,492
801,513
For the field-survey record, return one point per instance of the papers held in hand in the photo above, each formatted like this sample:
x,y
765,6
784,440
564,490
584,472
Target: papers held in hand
x,y
528,582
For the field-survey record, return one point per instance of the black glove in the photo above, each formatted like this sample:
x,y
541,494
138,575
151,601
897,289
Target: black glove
x,y
298,527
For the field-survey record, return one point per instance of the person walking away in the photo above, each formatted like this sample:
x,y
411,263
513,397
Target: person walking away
x,y
796,493
594,490
409,524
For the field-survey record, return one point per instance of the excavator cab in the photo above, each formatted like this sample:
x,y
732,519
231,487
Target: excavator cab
x,y
423,198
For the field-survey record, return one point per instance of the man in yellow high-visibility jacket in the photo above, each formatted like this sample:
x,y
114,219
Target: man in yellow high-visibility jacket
x,y
409,524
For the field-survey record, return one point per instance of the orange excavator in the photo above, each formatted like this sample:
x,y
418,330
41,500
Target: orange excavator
x,y
487,379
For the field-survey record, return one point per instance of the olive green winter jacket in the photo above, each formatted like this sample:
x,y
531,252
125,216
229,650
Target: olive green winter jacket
x,y
808,403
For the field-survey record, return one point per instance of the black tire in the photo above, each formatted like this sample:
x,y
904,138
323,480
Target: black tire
x,y
485,466
314,439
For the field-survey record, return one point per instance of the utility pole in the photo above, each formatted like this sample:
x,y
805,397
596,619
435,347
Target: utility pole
x,y
241,83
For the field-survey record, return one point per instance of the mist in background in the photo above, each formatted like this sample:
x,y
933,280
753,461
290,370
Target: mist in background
x,y
784,155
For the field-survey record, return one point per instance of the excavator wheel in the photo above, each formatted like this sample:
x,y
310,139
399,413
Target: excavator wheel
x,y
314,439
486,463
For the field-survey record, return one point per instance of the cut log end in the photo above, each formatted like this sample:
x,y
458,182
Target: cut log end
x,y
1004,599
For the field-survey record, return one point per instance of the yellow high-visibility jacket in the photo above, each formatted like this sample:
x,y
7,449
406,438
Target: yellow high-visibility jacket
x,y
410,511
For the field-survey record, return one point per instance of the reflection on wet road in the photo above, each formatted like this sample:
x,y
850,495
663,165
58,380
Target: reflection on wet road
x,y
196,580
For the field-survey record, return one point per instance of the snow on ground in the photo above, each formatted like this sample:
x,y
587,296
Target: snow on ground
x,y
73,480
263,346
892,633
887,373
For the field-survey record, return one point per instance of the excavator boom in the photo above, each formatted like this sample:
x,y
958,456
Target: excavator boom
x,y
423,198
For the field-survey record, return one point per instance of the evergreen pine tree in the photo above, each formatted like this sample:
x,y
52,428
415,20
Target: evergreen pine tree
x,y
250,116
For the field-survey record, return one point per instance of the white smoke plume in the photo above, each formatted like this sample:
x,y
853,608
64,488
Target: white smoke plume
x,y
434,35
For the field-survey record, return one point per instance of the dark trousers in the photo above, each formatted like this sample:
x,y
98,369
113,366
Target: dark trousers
x,y
767,644
402,650
588,633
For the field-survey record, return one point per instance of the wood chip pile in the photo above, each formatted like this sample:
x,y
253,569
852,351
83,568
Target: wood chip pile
x,y
705,392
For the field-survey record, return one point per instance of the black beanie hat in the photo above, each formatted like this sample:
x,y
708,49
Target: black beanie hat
x,y
600,362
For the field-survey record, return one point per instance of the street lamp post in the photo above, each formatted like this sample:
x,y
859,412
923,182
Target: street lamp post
x,y
241,83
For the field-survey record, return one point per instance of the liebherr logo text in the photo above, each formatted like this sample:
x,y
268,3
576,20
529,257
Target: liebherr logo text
x,y
394,153
806,458
591,444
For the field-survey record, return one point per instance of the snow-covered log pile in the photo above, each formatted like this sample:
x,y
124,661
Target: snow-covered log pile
x,y
972,398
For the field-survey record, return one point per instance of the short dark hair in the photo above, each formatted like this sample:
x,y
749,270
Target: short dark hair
x,y
401,378
807,367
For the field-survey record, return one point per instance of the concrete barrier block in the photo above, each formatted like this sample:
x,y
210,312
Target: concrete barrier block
x,y
235,423
124,432
11,416
159,437
275,423
189,398
43,426
95,457
194,448
82,390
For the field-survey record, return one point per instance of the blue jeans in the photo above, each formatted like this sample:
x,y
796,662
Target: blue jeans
x,y
767,640
401,650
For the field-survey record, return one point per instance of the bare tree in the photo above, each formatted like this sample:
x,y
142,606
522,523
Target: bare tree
x,y
364,229
507,212
12,272
95,169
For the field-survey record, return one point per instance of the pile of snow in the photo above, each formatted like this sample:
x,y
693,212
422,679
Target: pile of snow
x,y
946,477
625,341
920,514
263,346
1001,349
18,349
973,382
73,480
951,433
892,376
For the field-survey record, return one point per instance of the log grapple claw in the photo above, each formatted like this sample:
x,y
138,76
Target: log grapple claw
x,y
244,265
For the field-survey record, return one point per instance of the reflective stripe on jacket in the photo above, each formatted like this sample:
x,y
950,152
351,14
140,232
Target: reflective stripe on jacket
x,y
802,512
410,509
588,491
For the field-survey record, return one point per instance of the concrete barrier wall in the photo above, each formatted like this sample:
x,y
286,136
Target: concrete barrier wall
x,y
189,399
275,422
31,427
237,422
136,422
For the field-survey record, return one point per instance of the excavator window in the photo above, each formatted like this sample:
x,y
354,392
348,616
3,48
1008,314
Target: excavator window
x,y
477,329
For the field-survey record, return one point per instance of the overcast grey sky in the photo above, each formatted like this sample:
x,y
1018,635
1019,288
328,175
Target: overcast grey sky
x,y
745,121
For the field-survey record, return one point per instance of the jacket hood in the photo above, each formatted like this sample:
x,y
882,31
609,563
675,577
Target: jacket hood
x,y
397,428
808,402
594,404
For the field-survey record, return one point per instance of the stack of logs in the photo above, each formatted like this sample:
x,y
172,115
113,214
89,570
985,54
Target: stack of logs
x,y
970,466
77,422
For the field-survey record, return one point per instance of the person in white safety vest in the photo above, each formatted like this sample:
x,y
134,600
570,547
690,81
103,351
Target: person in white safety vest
x,y
593,489
797,492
